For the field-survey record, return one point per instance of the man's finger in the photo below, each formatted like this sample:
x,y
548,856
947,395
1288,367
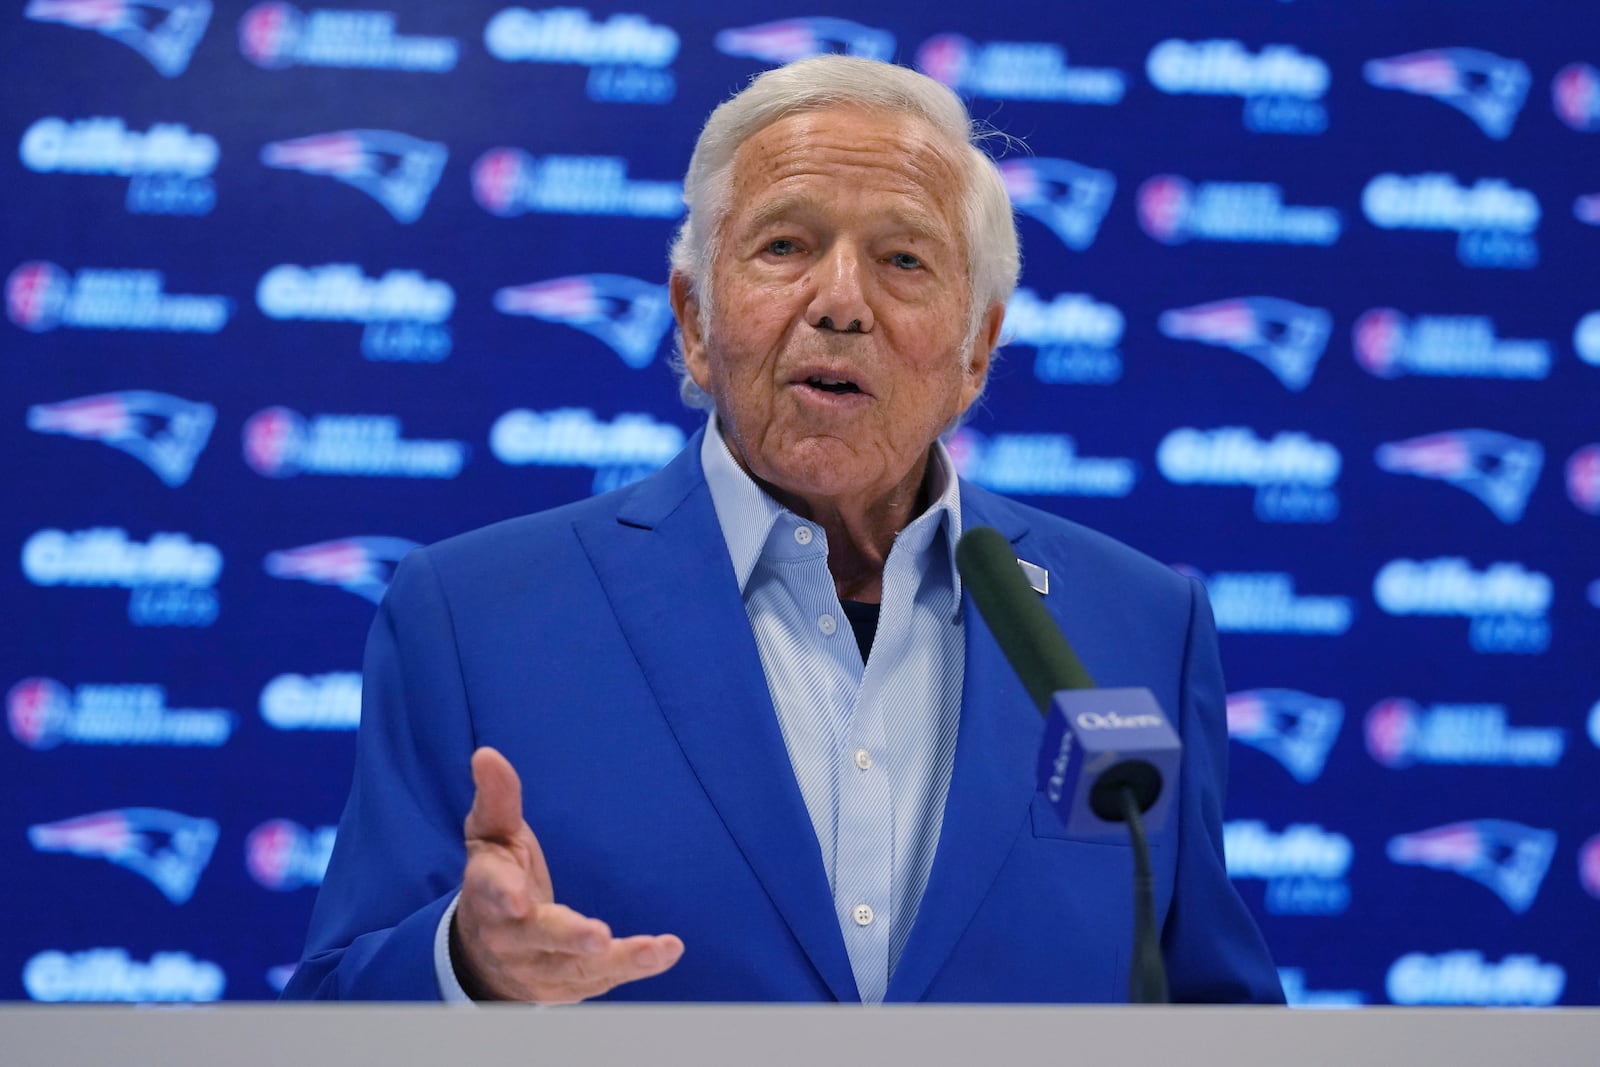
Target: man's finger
x,y
567,979
495,888
496,813
557,928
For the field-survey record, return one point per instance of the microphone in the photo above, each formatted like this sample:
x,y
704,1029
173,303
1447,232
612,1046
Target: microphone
x,y
1106,752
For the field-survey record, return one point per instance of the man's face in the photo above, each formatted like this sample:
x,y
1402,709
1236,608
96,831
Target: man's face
x,y
840,304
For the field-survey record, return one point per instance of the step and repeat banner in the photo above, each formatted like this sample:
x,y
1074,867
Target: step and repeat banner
x,y
1310,309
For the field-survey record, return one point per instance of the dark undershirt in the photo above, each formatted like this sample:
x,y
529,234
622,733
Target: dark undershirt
x,y
864,621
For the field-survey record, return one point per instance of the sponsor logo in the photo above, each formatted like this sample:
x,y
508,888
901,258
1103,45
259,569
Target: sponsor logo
x,y
283,855
359,565
628,315
1016,70
104,975
276,35
1507,603
280,443
1282,86
1286,338
1401,733
1583,478
41,296
1076,336
43,713
1305,867
395,169
165,433
170,579
1293,474
1465,977
1495,221
1575,92
1498,469
165,32
1388,344
1294,728
169,849
1172,210
1507,857
168,167
509,182
1068,198
626,55
787,40
1299,995
1487,88
315,702
1589,866
1265,602
1586,338
1093,720
1038,464
630,446
404,315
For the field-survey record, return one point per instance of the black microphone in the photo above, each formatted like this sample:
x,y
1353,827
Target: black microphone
x,y
1105,752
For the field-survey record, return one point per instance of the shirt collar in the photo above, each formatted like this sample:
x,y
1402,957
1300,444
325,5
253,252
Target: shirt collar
x,y
747,514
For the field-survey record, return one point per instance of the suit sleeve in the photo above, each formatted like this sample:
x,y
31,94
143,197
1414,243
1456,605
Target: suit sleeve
x,y
399,854
1213,949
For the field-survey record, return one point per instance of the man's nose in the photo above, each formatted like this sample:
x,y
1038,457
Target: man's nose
x,y
840,301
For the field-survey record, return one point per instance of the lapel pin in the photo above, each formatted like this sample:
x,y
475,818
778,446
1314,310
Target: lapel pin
x,y
1037,576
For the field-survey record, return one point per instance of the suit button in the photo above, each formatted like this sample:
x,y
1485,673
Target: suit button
x,y
863,915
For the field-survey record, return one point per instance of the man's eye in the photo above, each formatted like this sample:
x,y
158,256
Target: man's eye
x,y
905,261
783,246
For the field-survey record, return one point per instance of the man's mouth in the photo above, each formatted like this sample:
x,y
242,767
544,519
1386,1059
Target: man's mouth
x,y
836,386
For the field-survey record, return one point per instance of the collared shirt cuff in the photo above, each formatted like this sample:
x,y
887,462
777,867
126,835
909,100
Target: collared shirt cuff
x,y
444,970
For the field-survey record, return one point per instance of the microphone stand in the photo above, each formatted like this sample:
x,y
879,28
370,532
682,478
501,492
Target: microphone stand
x,y
1147,974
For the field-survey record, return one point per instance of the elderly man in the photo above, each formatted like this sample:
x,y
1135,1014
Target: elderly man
x,y
744,702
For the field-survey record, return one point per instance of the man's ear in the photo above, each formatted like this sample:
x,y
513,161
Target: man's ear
x,y
686,309
983,347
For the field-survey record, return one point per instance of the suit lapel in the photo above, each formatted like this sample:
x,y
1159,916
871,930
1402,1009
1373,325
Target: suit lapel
x,y
694,646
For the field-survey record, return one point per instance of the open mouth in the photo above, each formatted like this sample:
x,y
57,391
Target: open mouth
x,y
837,386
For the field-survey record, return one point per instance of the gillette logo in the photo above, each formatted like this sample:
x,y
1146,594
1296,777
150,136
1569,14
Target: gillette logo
x,y
1401,733
1487,88
1016,70
1508,858
280,443
1282,86
168,849
1465,977
395,169
43,713
628,315
404,314
41,296
1498,469
1388,344
1265,602
170,578
787,40
626,55
1294,728
1286,338
110,975
574,437
1586,338
283,855
1172,211
314,702
1575,92
1495,220
509,182
1068,198
168,167
1507,603
165,32
1583,479
1293,474
276,35
1076,336
1038,464
1304,867
359,565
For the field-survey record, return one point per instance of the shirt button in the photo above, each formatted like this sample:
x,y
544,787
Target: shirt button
x,y
863,759
802,535
826,624
863,915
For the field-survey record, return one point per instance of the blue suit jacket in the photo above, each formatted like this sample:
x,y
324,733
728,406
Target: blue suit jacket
x,y
603,647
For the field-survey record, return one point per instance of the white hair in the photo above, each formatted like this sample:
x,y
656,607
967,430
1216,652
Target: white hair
x,y
816,84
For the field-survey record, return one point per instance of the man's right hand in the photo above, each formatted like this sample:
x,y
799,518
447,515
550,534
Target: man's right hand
x,y
515,941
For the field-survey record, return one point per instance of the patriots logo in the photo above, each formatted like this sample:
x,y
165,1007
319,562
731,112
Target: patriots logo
x,y
1498,469
1294,728
629,315
169,849
787,40
165,32
1069,198
359,565
1487,88
165,433
395,169
1507,857
1286,338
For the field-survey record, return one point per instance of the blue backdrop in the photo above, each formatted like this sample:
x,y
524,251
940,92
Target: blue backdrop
x,y
1309,307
